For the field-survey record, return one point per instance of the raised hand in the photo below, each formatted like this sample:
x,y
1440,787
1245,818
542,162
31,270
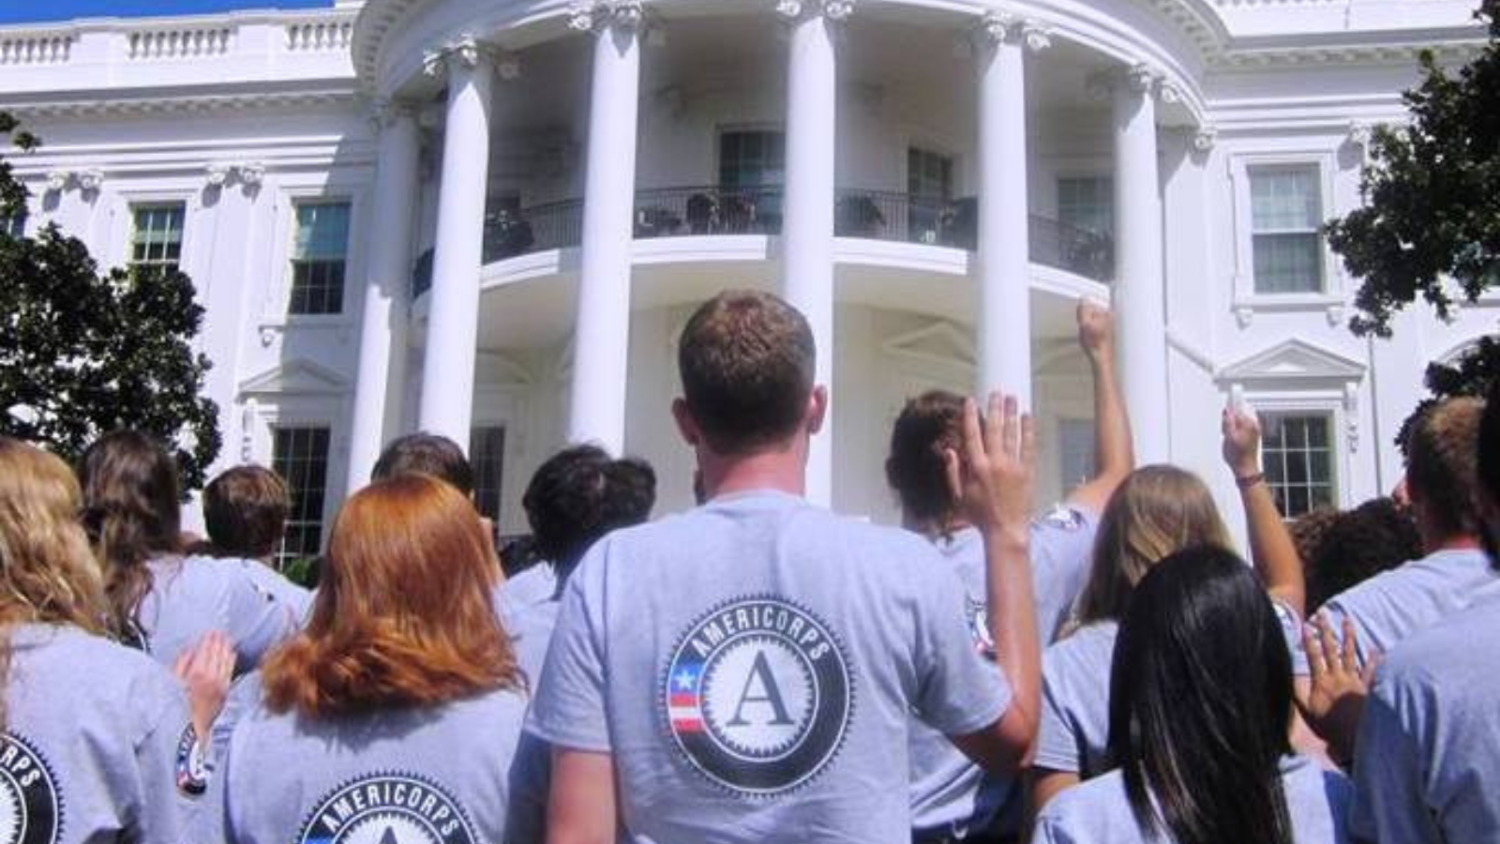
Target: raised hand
x,y
1096,333
1339,684
993,480
1241,447
205,670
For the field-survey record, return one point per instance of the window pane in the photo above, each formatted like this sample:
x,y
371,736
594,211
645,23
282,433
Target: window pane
x,y
1087,203
929,175
1297,454
1284,198
319,250
13,226
1076,451
156,236
487,454
300,456
752,159
1288,263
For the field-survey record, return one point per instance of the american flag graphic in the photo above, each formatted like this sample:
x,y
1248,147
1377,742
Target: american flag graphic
x,y
682,698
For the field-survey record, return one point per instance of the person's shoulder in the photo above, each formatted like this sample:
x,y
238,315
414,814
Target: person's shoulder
x,y
98,658
1383,585
1092,804
1448,645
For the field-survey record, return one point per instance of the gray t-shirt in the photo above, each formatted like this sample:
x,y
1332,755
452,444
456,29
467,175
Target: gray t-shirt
x,y
1427,766
1098,811
535,584
294,599
414,775
1073,735
1414,596
1074,728
192,596
96,739
751,666
530,627
950,794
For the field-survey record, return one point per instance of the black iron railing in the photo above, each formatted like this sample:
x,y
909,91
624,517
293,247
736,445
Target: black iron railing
x,y
719,209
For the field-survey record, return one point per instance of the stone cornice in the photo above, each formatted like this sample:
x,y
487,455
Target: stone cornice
x,y
147,103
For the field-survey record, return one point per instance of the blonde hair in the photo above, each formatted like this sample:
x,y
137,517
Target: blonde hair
x,y
1157,511
48,574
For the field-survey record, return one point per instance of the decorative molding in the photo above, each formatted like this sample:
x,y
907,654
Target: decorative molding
x,y
833,10
249,422
295,377
217,175
996,26
1360,133
1204,138
938,342
464,51
597,16
152,106
1351,415
1293,360
57,181
1140,77
1035,36
87,180
251,174
248,174
1244,315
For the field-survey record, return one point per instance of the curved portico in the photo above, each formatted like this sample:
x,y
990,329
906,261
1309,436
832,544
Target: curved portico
x,y
577,165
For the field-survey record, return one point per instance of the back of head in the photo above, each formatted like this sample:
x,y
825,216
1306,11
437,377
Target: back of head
x,y
245,510
1201,701
1441,475
746,360
580,494
132,512
47,571
928,426
404,614
1310,529
426,454
1361,543
1156,511
1489,472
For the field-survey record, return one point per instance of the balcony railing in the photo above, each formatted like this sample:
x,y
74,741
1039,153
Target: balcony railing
x,y
720,210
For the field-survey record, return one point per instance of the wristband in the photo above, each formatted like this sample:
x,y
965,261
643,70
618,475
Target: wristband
x,y
1248,481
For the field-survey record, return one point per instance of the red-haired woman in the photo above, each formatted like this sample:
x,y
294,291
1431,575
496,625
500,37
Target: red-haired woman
x,y
394,715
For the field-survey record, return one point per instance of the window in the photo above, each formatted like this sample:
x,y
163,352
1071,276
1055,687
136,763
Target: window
x,y
318,258
300,456
929,185
1286,210
1075,452
1297,453
1087,202
13,225
752,159
487,455
157,237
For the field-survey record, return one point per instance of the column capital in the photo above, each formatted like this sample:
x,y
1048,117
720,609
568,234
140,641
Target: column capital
x,y
598,16
465,52
833,10
1140,79
1360,133
1204,138
995,27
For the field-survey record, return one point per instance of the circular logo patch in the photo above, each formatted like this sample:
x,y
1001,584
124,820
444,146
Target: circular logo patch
x,y
758,695
388,809
30,810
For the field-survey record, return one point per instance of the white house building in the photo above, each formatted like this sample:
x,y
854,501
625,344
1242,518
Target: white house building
x,y
490,219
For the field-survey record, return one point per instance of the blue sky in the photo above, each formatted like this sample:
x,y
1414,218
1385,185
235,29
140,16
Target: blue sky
x,y
29,11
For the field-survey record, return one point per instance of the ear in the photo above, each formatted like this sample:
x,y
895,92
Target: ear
x,y
686,425
817,409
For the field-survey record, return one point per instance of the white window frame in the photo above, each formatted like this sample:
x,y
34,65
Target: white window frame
x,y
1336,482
1340,406
1079,175
122,227
1246,301
291,255
263,413
278,294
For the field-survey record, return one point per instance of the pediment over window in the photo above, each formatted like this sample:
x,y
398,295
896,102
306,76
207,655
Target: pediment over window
x,y
500,370
938,342
1293,361
296,377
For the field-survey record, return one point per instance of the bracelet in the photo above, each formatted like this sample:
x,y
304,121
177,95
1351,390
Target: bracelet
x,y
1249,481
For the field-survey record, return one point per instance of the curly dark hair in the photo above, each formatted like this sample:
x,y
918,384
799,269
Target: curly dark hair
x,y
580,494
1361,543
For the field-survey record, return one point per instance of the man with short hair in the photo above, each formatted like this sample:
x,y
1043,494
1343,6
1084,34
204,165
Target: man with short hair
x,y
1442,485
426,454
744,671
1427,758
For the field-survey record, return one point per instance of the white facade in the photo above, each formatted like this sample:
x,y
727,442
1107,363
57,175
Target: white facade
x,y
934,182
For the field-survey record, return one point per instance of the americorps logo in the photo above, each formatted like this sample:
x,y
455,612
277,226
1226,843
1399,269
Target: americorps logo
x,y
30,806
758,695
388,808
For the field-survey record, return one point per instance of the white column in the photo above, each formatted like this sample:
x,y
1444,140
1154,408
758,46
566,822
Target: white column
x,y
452,324
1138,300
382,333
807,229
1003,257
602,329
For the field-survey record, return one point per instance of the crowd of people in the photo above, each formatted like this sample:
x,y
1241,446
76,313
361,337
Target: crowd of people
x,y
758,668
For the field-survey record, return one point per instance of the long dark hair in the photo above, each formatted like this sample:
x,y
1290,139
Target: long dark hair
x,y
1201,702
580,494
132,513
